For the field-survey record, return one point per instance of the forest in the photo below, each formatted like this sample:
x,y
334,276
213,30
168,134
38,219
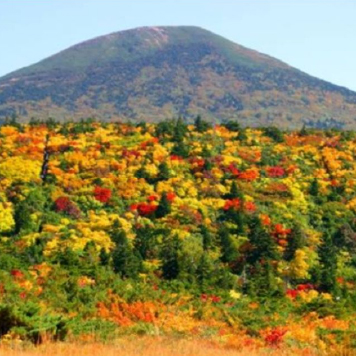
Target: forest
x,y
242,236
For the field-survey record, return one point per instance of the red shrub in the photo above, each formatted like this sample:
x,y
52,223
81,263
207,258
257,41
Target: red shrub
x,y
62,204
232,204
144,209
275,336
171,196
250,206
102,194
65,205
275,172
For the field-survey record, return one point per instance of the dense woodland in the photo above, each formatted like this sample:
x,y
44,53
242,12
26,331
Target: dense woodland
x,y
173,228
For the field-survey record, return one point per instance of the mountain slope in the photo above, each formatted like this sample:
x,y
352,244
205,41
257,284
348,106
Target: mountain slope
x,y
152,73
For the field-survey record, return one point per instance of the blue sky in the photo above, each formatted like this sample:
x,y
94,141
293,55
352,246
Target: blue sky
x,y
316,36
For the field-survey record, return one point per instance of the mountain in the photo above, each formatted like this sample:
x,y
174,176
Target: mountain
x,y
153,73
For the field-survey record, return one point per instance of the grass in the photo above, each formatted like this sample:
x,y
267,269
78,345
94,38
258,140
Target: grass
x,y
151,346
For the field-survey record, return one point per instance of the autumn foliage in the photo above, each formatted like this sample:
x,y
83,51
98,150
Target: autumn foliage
x,y
244,236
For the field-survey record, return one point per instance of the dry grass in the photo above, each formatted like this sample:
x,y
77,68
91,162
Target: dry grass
x,y
145,346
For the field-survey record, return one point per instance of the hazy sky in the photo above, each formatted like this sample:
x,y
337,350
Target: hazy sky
x,y
316,36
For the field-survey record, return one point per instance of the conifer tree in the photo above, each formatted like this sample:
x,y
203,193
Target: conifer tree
x,y
104,257
263,246
229,252
204,271
170,253
125,261
180,130
260,257
314,188
180,149
235,192
145,242
262,280
328,263
233,126
163,171
206,153
164,206
296,240
201,125
303,131
207,237
242,136
35,202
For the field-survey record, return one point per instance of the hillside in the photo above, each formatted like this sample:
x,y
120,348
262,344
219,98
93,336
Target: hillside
x,y
237,237
152,73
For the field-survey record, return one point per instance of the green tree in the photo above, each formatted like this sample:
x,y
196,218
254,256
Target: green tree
x,y
296,240
180,149
201,125
235,192
204,271
233,126
34,203
104,257
242,136
207,237
314,188
163,171
263,246
274,133
180,130
328,263
146,243
164,206
229,250
126,262
170,260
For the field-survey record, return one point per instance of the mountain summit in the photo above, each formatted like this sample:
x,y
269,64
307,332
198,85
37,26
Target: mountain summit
x,y
153,73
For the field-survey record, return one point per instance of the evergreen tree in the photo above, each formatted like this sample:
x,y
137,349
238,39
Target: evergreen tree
x,y
260,259
206,153
180,149
303,131
145,242
242,136
201,125
235,192
142,173
35,202
229,251
204,271
296,240
170,253
274,133
126,262
328,263
104,257
314,188
233,126
163,171
164,206
263,246
207,237
180,129
262,281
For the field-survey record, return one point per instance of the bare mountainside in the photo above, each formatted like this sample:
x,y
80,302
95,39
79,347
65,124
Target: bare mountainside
x,y
153,73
